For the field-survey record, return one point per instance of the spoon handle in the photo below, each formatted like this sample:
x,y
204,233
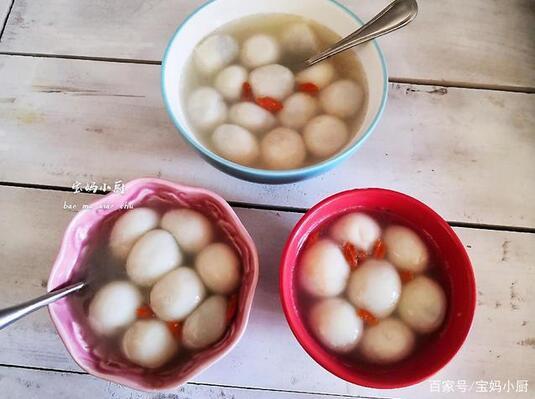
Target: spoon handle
x,y
13,313
395,16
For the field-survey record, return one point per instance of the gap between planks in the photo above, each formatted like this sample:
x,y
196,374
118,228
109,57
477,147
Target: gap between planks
x,y
392,79
83,373
4,25
289,209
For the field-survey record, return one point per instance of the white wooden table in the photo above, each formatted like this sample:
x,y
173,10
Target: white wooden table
x,y
80,101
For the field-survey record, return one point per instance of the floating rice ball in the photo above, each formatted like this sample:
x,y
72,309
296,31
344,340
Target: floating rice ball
x,y
275,81
298,39
336,324
129,228
206,108
283,148
298,109
325,135
153,255
191,229
343,98
422,305
219,268
405,249
324,270
206,325
236,144
229,82
114,307
321,74
357,228
375,286
251,117
387,342
149,343
260,49
215,53
177,294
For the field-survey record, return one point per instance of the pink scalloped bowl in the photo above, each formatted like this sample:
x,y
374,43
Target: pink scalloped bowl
x,y
81,237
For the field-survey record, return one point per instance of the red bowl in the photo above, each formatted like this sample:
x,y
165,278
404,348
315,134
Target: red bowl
x,y
458,281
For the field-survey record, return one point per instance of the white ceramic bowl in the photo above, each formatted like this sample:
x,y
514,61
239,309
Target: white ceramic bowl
x,y
217,13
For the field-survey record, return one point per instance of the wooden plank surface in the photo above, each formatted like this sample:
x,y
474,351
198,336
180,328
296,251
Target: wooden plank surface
x,y
39,384
479,42
467,153
500,345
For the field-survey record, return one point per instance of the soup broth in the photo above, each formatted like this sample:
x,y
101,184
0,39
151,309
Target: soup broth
x,y
357,354
301,143
102,268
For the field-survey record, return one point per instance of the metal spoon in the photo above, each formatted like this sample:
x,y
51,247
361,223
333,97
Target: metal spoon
x,y
395,16
13,313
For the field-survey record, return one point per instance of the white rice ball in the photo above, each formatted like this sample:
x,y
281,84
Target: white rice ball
x,y
149,343
251,117
259,50
325,135
299,40
387,342
422,305
206,325
215,52
405,249
219,268
191,229
375,286
275,81
357,228
206,108
324,270
336,324
153,255
129,228
229,82
177,294
283,148
114,307
343,98
298,109
236,144
321,74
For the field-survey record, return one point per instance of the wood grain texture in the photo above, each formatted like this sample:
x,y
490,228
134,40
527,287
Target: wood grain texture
x,y
479,42
500,345
40,384
467,153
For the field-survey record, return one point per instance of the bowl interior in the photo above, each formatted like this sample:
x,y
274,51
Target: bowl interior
x,y
458,281
217,13
85,233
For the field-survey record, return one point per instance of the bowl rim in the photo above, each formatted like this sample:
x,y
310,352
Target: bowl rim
x,y
248,303
266,173
285,280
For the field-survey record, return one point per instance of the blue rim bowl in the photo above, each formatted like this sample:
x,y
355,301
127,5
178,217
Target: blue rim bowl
x,y
176,49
